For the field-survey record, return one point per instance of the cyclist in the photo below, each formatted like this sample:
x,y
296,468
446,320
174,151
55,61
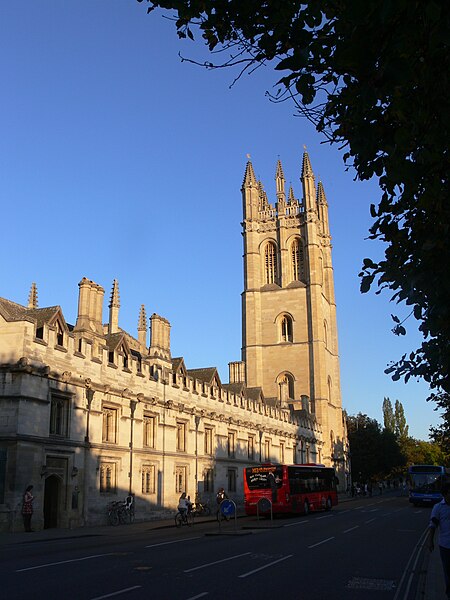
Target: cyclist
x,y
184,505
220,496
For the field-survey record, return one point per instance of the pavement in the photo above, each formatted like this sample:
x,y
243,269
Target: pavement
x,y
431,584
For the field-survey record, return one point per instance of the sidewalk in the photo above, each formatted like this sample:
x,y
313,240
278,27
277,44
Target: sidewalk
x,y
431,585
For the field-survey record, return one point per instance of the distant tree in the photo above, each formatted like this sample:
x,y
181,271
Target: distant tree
x,y
388,415
374,452
418,452
372,77
401,428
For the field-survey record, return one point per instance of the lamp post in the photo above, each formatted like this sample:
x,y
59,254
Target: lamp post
x,y
260,445
89,398
197,423
133,404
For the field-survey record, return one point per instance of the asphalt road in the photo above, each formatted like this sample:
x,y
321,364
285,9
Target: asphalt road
x,y
365,549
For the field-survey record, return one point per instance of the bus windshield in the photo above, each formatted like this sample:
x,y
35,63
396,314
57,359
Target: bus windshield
x,y
425,482
261,478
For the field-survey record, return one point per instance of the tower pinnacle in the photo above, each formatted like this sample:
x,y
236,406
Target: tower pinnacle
x,y
114,305
142,326
279,181
33,297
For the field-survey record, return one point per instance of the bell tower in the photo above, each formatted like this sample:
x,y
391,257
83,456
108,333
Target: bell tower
x,y
289,330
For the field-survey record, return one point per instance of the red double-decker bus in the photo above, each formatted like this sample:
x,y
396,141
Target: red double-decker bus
x,y
290,488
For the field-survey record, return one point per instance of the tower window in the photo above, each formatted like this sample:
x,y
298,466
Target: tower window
x,y
286,329
297,261
285,387
270,260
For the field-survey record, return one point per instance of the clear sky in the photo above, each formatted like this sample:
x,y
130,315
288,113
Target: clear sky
x,y
117,160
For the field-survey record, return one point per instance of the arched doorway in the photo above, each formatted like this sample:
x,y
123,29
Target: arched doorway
x,y
51,501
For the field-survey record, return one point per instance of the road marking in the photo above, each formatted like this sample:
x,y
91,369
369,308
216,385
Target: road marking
x,y
418,548
342,512
62,562
174,542
351,529
370,521
266,566
324,517
297,523
135,587
216,562
198,596
322,542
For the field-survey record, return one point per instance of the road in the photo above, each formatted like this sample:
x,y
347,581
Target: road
x,y
368,548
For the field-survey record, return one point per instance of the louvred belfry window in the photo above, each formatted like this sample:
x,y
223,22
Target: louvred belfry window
x,y
271,263
297,261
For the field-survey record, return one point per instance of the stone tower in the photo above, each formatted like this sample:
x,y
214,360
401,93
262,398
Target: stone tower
x,y
290,342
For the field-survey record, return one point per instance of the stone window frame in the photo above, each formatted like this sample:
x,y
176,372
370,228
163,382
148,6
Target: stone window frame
x,y
108,477
232,479
149,423
181,436
60,413
270,262
110,420
231,443
148,479
208,446
180,478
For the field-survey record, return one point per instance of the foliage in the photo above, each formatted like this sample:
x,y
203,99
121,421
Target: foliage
x,y
375,453
401,428
388,415
419,452
373,77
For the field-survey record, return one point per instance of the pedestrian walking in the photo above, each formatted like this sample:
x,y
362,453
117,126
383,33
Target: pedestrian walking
x,y
27,508
440,518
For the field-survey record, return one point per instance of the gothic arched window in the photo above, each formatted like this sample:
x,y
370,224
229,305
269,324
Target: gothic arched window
x,y
297,260
270,263
330,386
325,333
285,387
286,329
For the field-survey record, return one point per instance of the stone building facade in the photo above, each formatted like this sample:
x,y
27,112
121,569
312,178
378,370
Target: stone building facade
x,y
90,413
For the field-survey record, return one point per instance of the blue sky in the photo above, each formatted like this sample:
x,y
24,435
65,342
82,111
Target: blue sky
x,y
117,160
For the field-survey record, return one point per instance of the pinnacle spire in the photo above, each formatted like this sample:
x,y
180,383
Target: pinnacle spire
x,y
279,181
142,322
114,305
114,299
306,165
321,198
249,176
33,297
279,172
263,200
142,327
291,197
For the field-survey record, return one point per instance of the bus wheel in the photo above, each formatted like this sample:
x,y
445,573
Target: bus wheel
x,y
306,507
328,504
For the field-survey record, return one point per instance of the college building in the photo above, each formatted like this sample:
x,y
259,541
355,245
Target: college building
x,y
90,413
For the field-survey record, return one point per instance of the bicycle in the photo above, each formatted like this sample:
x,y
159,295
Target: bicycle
x,y
121,512
201,509
184,519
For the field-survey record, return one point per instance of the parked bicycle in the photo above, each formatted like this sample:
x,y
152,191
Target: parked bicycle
x,y
201,509
121,511
184,518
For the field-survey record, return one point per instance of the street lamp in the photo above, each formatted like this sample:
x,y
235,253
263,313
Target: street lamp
x,y
197,423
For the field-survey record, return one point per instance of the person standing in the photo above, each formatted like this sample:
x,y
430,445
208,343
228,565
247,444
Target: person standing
x,y
440,517
27,508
